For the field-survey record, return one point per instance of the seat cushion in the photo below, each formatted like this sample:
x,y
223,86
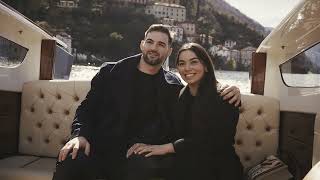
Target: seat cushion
x,y
27,168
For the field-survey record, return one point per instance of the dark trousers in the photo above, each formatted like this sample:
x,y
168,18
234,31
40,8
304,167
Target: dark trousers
x,y
136,167
194,166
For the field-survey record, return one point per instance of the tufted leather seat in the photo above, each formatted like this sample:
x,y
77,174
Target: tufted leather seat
x,y
257,130
48,108
47,111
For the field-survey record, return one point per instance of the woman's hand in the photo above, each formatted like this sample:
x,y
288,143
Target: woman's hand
x,y
156,150
153,150
134,149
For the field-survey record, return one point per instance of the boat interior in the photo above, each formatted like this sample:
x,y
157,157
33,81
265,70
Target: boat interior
x,y
279,119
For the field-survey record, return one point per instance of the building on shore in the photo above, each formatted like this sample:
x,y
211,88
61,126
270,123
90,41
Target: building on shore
x,y
68,4
165,10
127,3
192,38
189,28
168,21
168,1
177,33
230,44
219,50
235,55
246,55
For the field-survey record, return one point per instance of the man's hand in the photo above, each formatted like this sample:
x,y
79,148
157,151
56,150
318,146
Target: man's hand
x,y
74,144
153,150
232,93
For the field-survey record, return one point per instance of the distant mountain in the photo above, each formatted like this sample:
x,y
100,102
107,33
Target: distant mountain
x,y
222,7
268,29
218,19
313,55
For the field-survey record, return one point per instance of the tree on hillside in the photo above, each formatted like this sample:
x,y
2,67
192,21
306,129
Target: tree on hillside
x,y
86,4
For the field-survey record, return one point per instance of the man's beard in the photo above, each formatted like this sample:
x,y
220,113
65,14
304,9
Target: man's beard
x,y
151,62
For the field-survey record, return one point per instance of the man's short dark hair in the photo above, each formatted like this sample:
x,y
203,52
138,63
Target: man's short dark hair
x,y
160,28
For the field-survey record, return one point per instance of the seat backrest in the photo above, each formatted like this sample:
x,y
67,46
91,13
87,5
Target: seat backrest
x,y
48,108
47,111
258,129
316,140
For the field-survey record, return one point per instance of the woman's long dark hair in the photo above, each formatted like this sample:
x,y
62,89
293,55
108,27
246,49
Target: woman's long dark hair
x,y
208,83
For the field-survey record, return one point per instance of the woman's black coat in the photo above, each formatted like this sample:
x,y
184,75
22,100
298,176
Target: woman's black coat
x,y
204,145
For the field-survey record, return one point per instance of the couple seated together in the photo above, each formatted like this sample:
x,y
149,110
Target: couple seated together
x,y
138,121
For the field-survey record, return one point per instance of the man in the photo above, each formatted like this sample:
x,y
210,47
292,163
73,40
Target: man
x,y
129,102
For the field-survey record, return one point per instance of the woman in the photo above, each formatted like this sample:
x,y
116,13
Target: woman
x,y
205,124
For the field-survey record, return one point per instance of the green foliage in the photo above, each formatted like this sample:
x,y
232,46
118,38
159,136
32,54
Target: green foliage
x,y
116,33
116,36
172,58
191,7
218,61
230,65
237,32
241,67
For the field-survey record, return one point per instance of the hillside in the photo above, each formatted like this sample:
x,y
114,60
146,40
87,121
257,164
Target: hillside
x,y
223,22
116,32
197,7
221,7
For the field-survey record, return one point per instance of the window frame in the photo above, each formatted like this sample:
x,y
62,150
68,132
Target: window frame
x,y
282,78
22,57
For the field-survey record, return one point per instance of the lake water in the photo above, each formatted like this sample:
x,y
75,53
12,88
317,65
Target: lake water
x,y
237,78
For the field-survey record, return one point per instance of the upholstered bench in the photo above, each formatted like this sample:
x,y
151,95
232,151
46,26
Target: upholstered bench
x,y
47,112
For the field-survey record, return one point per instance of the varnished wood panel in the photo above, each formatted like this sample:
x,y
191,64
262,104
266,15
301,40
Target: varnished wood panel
x,y
296,141
48,48
9,120
258,69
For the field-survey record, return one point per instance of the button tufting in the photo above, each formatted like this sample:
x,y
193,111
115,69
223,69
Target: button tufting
x,y
32,109
66,112
259,112
239,141
241,110
46,141
76,98
39,125
58,96
56,126
29,138
249,126
41,95
247,158
49,111
63,142
268,128
258,143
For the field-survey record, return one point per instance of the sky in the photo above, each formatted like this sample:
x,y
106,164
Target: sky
x,y
268,13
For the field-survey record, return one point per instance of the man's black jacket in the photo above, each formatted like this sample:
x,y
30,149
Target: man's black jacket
x,y
102,116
